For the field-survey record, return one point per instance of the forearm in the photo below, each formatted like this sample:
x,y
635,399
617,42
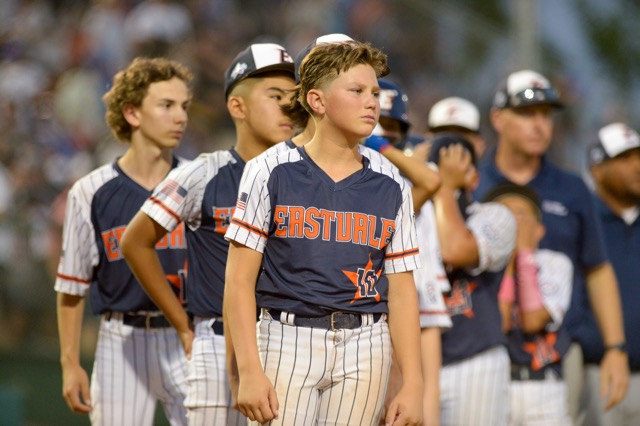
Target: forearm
x,y
243,265
605,301
138,247
425,181
431,343
70,312
458,246
533,315
404,327
232,365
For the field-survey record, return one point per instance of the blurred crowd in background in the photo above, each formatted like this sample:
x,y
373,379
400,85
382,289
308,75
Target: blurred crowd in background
x,y
57,58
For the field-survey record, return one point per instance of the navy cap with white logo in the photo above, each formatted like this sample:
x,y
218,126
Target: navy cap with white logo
x,y
526,88
257,59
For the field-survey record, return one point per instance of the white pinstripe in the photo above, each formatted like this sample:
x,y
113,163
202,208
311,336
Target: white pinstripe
x,y
79,250
208,400
340,376
475,391
431,279
132,368
539,402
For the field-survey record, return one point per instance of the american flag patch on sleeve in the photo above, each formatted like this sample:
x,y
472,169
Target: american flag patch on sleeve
x,y
242,201
174,191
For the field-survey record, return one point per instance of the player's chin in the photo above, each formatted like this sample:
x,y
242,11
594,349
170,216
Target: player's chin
x,y
282,133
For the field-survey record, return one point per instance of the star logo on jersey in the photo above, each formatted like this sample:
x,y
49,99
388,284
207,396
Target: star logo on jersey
x,y
365,280
459,299
542,350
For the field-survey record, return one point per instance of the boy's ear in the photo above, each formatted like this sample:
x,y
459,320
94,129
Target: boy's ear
x,y
315,99
236,107
130,113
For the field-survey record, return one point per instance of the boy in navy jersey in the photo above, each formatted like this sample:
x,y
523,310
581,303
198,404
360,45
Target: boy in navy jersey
x,y
534,296
138,359
326,261
203,195
476,241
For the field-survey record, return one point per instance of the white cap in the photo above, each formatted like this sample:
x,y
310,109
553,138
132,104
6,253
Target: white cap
x,y
613,140
454,111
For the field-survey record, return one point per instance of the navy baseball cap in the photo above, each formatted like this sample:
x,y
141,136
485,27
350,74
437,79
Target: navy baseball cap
x,y
526,88
257,59
394,103
512,189
613,140
443,140
325,39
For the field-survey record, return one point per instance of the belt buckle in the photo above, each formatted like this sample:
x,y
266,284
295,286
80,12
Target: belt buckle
x,y
333,328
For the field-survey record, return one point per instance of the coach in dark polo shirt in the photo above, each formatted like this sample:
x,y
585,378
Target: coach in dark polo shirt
x,y
522,116
615,167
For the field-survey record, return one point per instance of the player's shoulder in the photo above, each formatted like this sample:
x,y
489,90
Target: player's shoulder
x,y
89,184
287,156
492,218
377,160
546,257
379,164
273,151
490,210
208,161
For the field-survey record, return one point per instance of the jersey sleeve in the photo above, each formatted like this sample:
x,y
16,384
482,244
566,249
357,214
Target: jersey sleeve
x,y
402,253
555,278
494,229
431,278
250,222
79,250
179,196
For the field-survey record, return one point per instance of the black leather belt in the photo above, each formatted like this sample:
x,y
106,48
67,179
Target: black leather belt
x,y
148,321
525,372
218,328
333,321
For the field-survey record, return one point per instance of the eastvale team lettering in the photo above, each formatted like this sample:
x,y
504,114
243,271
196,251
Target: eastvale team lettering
x,y
111,239
312,223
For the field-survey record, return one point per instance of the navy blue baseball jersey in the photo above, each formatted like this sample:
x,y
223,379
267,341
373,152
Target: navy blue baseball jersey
x,y
571,222
473,299
326,246
203,195
99,207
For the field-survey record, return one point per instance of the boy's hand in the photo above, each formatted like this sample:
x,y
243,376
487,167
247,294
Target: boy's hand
x,y
454,165
257,398
406,408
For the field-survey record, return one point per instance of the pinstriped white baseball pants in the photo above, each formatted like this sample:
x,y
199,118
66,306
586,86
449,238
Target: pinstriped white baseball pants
x,y
475,391
133,368
539,402
208,399
325,377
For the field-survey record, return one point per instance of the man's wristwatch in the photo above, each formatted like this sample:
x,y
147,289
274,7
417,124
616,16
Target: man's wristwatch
x,y
622,347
